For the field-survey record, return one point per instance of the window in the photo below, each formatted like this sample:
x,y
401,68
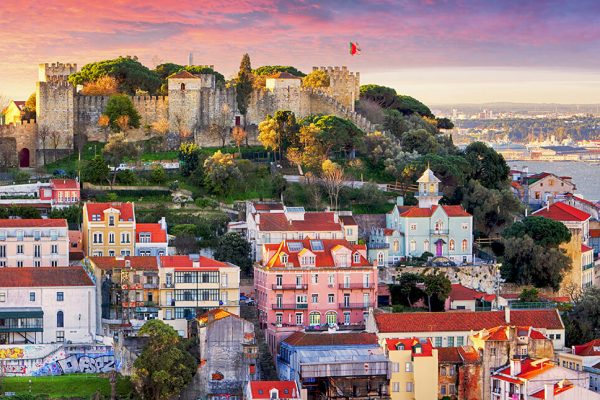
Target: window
x,y
438,341
278,318
308,260
395,386
182,87
451,370
396,246
2,297
346,318
450,341
284,258
145,237
464,245
299,318
330,298
443,371
493,351
60,336
37,263
31,296
408,367
315,278
20,235
36,235
111,237
349,231
53,234
3,251
60,296
413,245
443,390
413,227
278,280
37,251
331,317
125,238
395,367
315,318
19,264
451,245
97,238
2,235
54,249
426,245
315,298
60,319
54,263
331,279
356,258
451,389
465,227
380,259
439,225
557,336
111,220
19,249
460,340
409,386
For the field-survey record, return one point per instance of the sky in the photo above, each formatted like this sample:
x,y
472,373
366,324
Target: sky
x,y
441,52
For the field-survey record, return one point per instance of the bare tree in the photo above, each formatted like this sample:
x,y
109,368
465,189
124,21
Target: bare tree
x,y
220,128
43,134
55,139
333,180
314,189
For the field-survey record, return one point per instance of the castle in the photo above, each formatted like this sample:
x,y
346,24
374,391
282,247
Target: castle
x,y
193,103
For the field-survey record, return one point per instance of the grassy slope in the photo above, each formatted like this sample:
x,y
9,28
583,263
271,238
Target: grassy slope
x,y
65,386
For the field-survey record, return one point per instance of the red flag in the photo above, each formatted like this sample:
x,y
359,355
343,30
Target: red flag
x,y
354,49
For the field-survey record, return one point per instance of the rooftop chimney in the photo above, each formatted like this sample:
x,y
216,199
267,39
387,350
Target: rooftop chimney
x,y
515,366
507,315
549,391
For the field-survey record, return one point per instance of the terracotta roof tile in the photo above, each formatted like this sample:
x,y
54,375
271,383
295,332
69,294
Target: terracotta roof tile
x,y
136,262
324,258
591,348
529,368
217,313
44,277
183,74
126,210
409,344
348,220
313,222
284,75
585,248
465,320
460,292
33,223
157,234
267,206
71,184
185,262
331,339
262,389
469,354
562,212
451,211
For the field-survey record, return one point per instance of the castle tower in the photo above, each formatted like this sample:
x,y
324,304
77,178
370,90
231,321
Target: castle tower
x,y
55,108
185,100
428,194
344,86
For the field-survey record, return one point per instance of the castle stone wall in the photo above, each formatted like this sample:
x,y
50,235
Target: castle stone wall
x,y
16,137
344,85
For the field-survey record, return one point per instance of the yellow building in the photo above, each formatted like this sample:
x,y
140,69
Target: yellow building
x,y
108,229
192,285
413,369
14,112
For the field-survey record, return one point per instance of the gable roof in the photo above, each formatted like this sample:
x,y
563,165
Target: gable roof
x,y
411,344
135,262
185,262
323,258
529,369
183,74
562,212
331,339
461,321
44,277
71,184
285,389
451,211
591,348
33,223
458,355
216,313
283,75
157,234
460,292
126,210
313,222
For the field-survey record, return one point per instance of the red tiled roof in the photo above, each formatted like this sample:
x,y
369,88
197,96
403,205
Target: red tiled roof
x,y
590,348
185,262
585,248
388,232
594,233
71,184
126,210
157,234
136,262
451,211
323,258
267,206
410,344
33,223
460,292
458,321
330,339
557,390
529,369
469,354
562,212
584,201
313,222
449,355
262,389
183,74
516,185
44,277
284,75
348,220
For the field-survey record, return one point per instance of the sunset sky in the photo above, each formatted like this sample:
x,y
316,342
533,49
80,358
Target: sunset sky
x,y
441,52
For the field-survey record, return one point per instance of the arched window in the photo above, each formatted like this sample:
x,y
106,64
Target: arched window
x,y
465,244
315,318
331,318
396,245
380,259
60,319
426,245
439,225
400,346
451,244
183,86
284,258
356,258
413,245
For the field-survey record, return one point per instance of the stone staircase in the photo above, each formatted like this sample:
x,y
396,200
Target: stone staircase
x,y
265,362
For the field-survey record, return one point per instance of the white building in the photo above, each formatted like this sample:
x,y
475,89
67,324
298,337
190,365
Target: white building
x,y
34,243
46,305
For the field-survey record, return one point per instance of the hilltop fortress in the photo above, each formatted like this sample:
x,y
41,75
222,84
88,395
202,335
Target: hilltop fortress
x,y
193,103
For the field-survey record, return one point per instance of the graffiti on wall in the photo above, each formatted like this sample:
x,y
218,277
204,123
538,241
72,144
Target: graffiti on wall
x,y
14,369
87,365
12,352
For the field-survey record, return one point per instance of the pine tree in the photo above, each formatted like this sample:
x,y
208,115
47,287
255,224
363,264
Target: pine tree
x,y
243,86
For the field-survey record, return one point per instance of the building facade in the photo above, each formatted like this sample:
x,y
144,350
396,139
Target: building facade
x,y
151,239
192,285
585,357
108,229
313,284
411,364
444,231
34,243
460,373
46,305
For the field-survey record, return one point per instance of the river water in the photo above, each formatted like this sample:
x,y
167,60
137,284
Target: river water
x,y
586,176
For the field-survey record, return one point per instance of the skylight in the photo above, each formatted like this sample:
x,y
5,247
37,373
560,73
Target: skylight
x,y
317,245
295,246
295,209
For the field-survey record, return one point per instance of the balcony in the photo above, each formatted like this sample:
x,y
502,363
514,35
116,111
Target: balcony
x,y
439,232
364,285
150,285
587,266
168,285
296,306
301,286
347,306
378,246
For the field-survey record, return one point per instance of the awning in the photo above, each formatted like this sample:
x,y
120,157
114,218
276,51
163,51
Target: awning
x,y
24,312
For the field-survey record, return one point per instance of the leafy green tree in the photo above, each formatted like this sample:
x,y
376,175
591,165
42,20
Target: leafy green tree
x,y
279,132
128,71
410,105
492,209
118,106
488,166
188,158
267,70
406,291
444,123
388,98
528,263
30,108
184,229
243,85
186,244
437,288
72,214
544,231
18,211
117,150
420,141
395,123
336,134
221,172
233,248
96,170
316,79
582,323
158,175
164,368
529,295
127,177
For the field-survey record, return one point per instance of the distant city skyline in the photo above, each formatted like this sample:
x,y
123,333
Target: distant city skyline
x,y
441,52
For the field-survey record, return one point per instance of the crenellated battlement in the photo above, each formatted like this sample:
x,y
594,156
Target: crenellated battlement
x,y
56,70
338,72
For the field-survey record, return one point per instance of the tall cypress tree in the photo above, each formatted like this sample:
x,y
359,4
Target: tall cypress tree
x,y
243,87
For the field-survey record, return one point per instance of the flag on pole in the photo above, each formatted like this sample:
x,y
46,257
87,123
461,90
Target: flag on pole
x,y
354,49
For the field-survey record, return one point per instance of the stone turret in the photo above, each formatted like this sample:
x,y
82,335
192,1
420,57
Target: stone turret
x,y
344,86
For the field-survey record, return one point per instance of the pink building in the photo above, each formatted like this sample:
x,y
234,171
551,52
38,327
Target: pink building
x,y
313,285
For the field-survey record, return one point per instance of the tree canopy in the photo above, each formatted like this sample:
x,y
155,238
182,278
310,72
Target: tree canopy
x,y
316,79
233,248
582,323
118,106
336,134
544,231
267,70
387,98
128,71
243,84
487,166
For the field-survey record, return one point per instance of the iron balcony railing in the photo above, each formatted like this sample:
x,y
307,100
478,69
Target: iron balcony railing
x,y
294,306
354,305
364,285
298,286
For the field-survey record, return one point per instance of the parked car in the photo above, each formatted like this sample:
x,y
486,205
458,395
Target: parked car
x,y
247,300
